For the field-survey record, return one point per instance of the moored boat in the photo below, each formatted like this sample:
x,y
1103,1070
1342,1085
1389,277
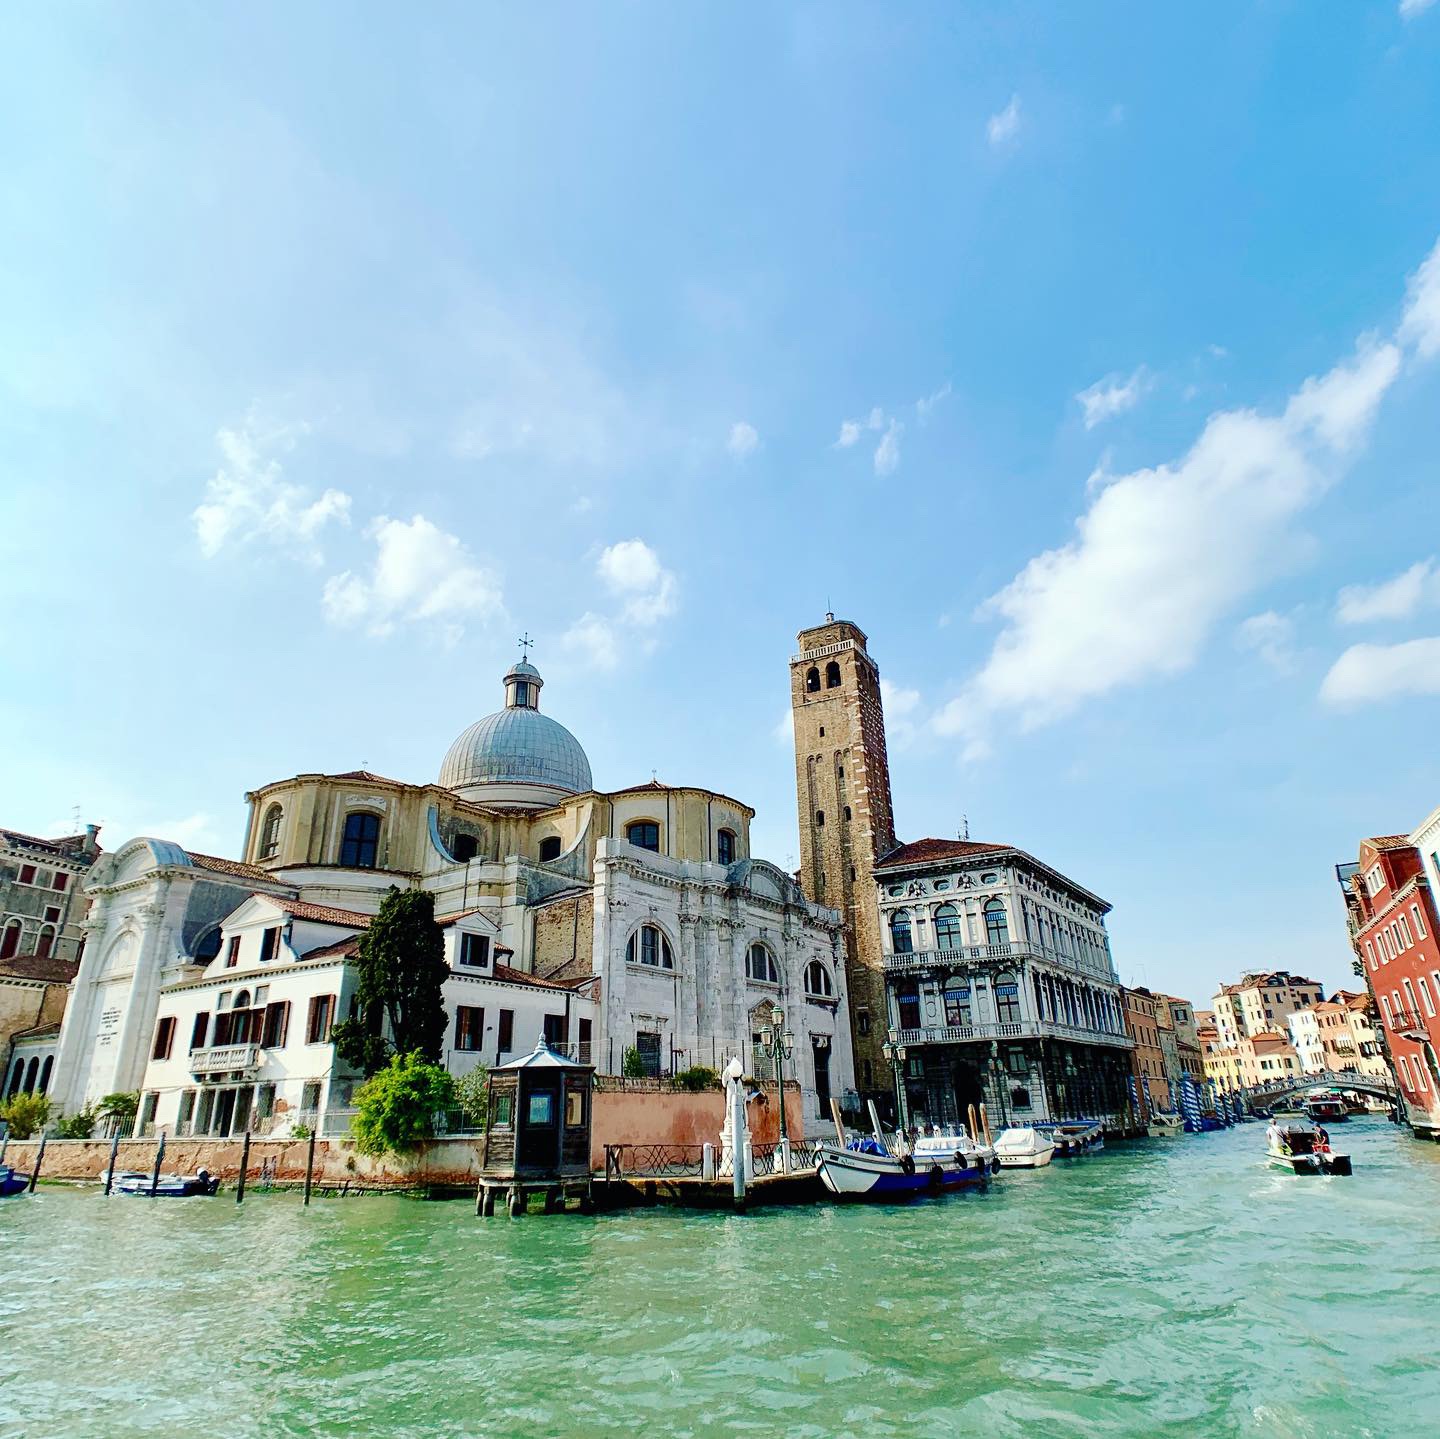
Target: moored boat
x,y
1303,1148
1074,1137
1165,1126
1326,1108
1023,1147
11,1183
876,1167
201,1184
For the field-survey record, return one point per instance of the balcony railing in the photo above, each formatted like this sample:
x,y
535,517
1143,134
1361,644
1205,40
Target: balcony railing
x,y
962,954
1023,1029
1408,1025
222,1058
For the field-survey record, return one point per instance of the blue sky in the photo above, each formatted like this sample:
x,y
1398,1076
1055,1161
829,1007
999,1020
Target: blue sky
x,y
1085,356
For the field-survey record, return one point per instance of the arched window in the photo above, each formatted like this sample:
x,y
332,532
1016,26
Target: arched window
x,y
997,927
760,965
812,680
949,934
31,1070
644,834
900,932
832,675
207,946
242,1000
10,939
817,980
957,1001
270,832
45,941
45,1073
907,999
361,841
549,848
819,819
725,847
648,945
466,847
1007,999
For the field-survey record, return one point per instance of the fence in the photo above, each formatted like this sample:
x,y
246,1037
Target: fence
x,y
687,1161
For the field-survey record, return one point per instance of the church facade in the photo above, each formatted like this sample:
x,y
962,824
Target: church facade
x,y
626,922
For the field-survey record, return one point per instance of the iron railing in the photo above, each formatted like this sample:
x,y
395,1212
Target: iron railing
x,y
654,1161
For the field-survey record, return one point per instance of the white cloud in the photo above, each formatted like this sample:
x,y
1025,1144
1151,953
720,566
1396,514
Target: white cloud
x,y
249,500
592,641
633,570
1420,326
924,406
1372,674
1393,599
784,731
1112,396
1005,124
1272,637
743,439
421,574
887,452
849,433
1409,9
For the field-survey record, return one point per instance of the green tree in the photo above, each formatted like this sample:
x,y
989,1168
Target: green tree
x,y
121,1108
396,1106
472,1093
25,1114
80,1125
632,1064
401,960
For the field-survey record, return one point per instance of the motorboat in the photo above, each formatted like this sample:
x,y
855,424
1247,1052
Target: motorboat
x,y
201,1184
1024,1147
1326,1108
1303,1148
877,1166
11,1183
1074,1137
1165,1126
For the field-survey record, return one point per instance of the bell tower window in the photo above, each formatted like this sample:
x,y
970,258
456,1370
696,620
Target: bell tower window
x,y
832,675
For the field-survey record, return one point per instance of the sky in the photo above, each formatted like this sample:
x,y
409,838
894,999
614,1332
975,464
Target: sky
x,y
1088,358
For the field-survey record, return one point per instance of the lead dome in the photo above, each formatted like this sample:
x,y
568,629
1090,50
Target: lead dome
x,y
517,758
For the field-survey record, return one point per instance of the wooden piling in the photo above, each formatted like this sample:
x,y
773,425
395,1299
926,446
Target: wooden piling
x,y
35,1173
114,1155
155,1173
244,1165
309,1168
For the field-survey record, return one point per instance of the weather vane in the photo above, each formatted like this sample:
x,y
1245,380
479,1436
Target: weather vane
x,y
525,643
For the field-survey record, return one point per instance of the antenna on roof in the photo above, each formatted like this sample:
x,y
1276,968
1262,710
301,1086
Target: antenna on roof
x,y
964,826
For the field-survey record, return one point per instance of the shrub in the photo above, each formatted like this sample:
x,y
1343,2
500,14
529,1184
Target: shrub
x,y
632,1066
80,1125
25,1114
697,1078
124,1105
472,1093
396,1107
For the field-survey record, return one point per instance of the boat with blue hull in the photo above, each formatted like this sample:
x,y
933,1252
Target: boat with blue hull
x,y
876,1166
137,1184
11,1183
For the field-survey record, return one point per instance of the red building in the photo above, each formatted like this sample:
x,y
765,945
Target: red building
x,y
1393,929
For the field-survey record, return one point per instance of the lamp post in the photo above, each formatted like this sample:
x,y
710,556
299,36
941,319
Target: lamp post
x,y
894,1053
779,1043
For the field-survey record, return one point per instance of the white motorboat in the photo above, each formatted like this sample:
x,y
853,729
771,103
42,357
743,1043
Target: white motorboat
x,y
1303,1148
1021,1147
1165,1126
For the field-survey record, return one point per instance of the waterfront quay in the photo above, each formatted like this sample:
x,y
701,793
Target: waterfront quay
x,y
1147,1286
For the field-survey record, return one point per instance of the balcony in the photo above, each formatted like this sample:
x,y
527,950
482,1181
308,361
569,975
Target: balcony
x,y
1024,1029
922,959
1405,1025
224,1058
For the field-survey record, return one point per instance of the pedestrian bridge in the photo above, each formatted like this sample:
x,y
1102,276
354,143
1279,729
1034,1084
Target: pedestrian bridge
x,y
1327,1079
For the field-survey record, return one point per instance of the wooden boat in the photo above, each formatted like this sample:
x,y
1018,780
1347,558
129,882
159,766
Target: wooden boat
x,y
1023,1147
1074,1137
201,1184
1303,1148
1326,1108
11,1183
1165,1126
880,1166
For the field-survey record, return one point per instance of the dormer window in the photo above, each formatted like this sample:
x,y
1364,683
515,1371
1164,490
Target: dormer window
x,y
474,951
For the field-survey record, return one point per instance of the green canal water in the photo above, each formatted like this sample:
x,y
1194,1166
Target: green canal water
x,y
1167,1284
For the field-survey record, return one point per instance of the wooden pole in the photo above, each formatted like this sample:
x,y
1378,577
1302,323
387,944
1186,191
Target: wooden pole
x,y
839,1123
114,1154
155,1173
35,1173
244,1165
985,1121
974,1123
309,1167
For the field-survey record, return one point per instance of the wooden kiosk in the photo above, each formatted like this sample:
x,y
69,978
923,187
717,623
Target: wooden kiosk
x,y
537,1133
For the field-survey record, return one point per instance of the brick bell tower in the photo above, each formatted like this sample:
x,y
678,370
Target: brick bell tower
x,y
842,786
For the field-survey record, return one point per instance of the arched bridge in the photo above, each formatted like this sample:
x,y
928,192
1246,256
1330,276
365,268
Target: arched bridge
x,y
1325,1079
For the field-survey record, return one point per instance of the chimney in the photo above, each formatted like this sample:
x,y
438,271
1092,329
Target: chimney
x,y
91,846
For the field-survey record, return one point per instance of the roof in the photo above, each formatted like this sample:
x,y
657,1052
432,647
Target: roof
x,y
541,1057
445,921
65,847
365,774
37,1031
341,949
319,913
517,746
231,866
655,786
518,976
46,968
1390,841
929,851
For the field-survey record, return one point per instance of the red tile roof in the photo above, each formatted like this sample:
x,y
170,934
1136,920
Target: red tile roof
x,y
69,846
341,947
318,913
231,866
922,850
517,976
446,920
39,1031
47,969
1390,841
367,775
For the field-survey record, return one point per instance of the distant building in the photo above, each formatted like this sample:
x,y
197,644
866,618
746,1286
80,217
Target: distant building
x,y
1175,1021
1262,1003
1147,1059
1392,922
1305,1036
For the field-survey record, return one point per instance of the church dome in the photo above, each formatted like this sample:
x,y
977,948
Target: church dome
x,y
517,757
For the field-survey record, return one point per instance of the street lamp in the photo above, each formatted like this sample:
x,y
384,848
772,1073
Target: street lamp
x,y
894,1053
779,1043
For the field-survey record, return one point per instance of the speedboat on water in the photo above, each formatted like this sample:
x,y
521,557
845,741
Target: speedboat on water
x,y
875,1167
1326,1108
1024,1147
11,1183
1074,1137
1303,1148
201,1184
1165,1126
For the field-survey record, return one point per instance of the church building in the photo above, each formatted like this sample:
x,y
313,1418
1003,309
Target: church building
x,y
631,921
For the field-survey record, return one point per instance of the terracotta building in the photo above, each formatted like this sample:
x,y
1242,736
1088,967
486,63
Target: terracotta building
x,y
1147,1060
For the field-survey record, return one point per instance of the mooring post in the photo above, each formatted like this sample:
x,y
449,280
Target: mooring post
x,y
114,1154
35,1173
309,1167
244,1165
155,1173
738,1143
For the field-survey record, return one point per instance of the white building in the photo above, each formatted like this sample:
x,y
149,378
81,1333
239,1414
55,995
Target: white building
x,y
1305,1036
633,919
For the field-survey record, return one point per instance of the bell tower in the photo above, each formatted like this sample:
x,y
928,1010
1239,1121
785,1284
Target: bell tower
x,y
842,786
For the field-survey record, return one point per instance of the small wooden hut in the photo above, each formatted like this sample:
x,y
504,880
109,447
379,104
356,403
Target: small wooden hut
x,y
537,1132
